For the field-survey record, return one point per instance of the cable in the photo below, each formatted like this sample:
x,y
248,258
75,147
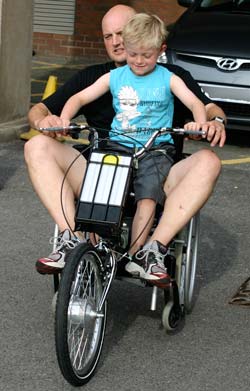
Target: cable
x,y
90,146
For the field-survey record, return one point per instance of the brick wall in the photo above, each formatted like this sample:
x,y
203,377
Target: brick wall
x,y
87,40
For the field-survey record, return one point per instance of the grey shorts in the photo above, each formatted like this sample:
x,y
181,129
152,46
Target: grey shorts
x,y
150,172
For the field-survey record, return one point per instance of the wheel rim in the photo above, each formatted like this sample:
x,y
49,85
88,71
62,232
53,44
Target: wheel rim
x,y
84,322
171,316
191,261
174,318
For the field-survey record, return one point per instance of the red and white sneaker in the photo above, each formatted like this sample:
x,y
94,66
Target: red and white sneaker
x,y
148,264
55,261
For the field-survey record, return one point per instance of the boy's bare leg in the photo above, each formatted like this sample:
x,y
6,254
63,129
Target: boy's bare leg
x,y
47,162
189,185
142,223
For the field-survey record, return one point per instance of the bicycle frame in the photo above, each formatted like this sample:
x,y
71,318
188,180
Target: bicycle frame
x,y
81,308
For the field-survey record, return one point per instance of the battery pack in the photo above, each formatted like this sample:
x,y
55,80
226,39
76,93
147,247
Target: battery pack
x,y
103,193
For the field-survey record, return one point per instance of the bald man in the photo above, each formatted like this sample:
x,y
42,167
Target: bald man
x,y
47,159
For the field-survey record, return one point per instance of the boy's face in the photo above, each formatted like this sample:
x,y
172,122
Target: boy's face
x,y
142,60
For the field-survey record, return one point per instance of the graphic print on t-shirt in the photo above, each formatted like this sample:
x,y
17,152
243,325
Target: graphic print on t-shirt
x,y
128,102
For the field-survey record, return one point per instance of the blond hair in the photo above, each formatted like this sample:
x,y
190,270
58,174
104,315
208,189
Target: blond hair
x,y
146,30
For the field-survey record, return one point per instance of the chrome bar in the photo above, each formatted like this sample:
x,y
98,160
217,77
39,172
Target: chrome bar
x,y
153,298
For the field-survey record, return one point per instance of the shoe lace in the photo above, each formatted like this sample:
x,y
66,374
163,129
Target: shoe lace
x,y
60,242
150,256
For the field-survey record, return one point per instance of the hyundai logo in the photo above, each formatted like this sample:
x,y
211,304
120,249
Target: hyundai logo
x,y
228,64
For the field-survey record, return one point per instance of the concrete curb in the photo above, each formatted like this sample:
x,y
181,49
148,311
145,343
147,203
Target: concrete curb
x,y
11,130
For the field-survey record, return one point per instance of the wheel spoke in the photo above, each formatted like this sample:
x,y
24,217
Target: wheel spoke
x,y
84,295
80,325
78,352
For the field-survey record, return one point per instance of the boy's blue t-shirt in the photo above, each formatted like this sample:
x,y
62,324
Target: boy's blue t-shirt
x,y
142,104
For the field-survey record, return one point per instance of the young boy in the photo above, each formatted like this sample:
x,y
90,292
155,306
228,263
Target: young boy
x,y
143,101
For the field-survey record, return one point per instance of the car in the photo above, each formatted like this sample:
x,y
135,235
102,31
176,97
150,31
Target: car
x,y
211,41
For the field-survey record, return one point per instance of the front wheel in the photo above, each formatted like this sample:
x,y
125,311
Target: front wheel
x,y
79,323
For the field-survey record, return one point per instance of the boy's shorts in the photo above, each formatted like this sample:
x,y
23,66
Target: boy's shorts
x,y
150,171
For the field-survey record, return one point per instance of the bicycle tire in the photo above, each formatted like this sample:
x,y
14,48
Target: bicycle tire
x,y
186,253
191,261
79,330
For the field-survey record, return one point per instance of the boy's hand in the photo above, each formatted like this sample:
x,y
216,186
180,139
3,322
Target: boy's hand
x,y
215,132
194,126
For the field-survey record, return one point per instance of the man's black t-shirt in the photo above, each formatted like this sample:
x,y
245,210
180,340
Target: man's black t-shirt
x,y
100,113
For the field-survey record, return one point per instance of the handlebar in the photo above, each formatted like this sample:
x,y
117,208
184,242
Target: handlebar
x,y
75,129
162,131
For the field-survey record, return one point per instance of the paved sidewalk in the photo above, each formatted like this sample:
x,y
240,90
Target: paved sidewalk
x,y
209,353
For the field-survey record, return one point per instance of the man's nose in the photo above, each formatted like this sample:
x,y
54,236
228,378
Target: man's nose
x,y
116,39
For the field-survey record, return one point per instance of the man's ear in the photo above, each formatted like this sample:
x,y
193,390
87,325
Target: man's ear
x,y
163,48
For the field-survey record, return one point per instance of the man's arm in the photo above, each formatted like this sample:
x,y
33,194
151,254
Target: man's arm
x,y
46,113
214,111
39,116
190,100
82,98
98,114
215,129
216,133
37,113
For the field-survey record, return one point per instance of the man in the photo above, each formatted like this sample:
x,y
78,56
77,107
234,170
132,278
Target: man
x,y
188,186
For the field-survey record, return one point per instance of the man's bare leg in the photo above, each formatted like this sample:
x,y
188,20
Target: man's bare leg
x,y
189,185
47,162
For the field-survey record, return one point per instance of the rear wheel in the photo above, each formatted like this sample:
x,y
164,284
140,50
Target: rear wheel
x,y
191,262
186,253
79,324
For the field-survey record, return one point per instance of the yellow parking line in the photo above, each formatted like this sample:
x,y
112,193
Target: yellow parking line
x,y
236,161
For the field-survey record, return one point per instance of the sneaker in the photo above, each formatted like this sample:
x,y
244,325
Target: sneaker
x,y
121,266
55,262
148,264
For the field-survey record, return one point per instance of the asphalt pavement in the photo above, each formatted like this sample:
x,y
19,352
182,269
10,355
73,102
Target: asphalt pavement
x,y
209,352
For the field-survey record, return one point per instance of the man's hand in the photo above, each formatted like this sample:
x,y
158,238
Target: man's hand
x,y
52,121
215,132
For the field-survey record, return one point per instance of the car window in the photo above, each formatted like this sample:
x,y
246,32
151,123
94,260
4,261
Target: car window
x,y
228,5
